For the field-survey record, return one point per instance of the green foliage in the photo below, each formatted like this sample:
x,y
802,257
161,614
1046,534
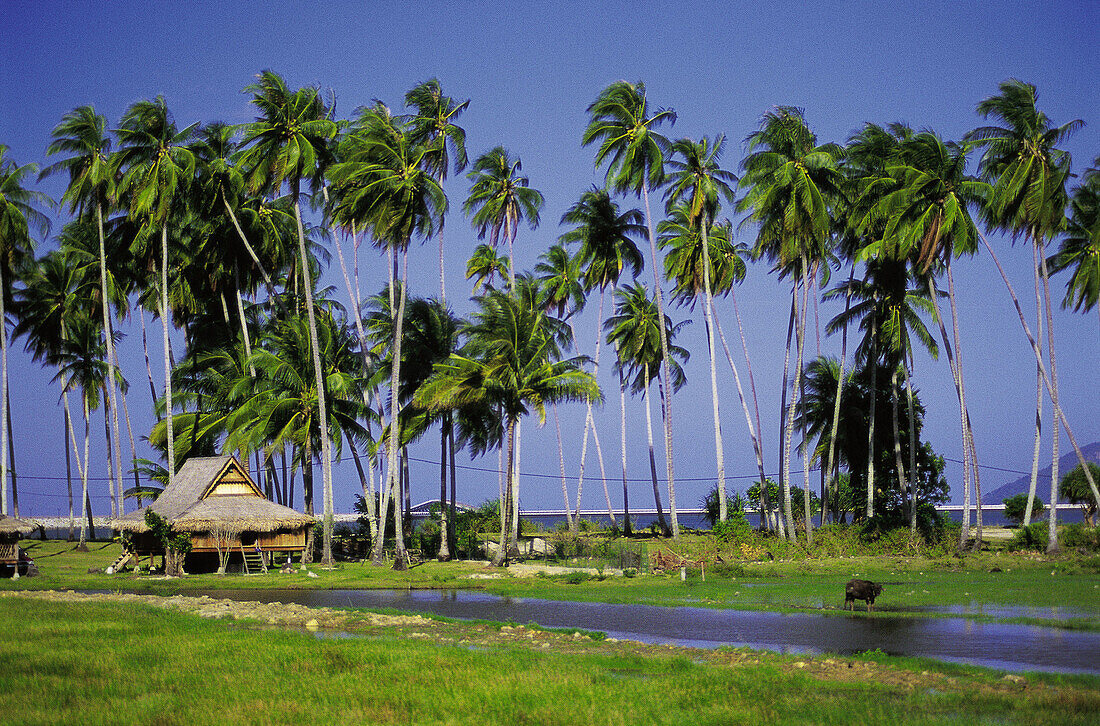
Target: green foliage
x,y
1075,489
1033,537
1016,507
711,509
1081,536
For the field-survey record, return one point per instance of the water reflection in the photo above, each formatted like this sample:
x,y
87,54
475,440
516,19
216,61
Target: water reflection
x,y
997,645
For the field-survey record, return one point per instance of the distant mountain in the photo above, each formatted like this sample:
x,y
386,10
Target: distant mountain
x,y
1066,463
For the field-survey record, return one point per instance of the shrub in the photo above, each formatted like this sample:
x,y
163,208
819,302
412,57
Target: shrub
x,y
1016,507
1081,536
1033,537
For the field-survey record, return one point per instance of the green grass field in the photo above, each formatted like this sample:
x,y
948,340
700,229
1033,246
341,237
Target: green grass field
x,y
107,663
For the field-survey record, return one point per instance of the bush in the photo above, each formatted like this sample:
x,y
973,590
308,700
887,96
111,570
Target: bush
x,y
1081,536
1033,537
1016,507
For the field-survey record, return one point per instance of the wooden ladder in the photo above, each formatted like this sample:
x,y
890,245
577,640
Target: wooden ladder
x,y
253,561
122,561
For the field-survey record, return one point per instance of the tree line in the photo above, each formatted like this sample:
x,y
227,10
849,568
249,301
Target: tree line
x,y
203,228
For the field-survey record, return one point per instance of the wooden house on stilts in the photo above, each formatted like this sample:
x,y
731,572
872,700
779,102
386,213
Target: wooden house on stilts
x,y
215,501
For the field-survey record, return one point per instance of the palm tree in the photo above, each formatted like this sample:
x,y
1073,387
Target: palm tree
x,y
388,189
634,330
434,125
697,181
81,363
484,264
82,134
791,182
156,166
55,292
628,142
19,216
606,249
513,361
286,144
563,292
431,336
500,198
1028,173
888,309
1080,250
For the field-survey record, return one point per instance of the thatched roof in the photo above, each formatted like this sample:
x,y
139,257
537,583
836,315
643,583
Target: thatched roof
x,y
12,526
192,503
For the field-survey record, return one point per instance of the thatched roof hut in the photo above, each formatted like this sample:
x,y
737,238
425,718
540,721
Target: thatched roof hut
x,y
12,529
216,492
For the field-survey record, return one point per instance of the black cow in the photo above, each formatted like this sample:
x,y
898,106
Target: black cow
x,y
861,590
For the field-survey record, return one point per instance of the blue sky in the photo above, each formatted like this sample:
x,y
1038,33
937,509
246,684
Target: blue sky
x,y
530,71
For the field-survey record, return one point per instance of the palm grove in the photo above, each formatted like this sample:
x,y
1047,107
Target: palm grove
x,y
203,228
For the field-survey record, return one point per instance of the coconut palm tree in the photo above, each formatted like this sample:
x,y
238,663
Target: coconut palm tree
x,y
57,290
157,165
1028,172
697,181
1080,249
83,136
925,215
791,182
513,360
625,131
606,250
435,122
560,278
634,330
388,189
20,217
484,264
500,198
288,142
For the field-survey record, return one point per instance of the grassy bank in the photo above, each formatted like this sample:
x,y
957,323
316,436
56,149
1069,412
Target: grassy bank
x,y
121,663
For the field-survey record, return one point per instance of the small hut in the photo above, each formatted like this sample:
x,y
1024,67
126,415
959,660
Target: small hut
x,y
215,501
12,530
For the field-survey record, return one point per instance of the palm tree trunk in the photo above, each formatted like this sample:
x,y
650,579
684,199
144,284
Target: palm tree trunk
x,y
11,459
110,460
112,395
1038,395
839,386
627,528
788,428
899,459
764,505
164,315
515,484
444,546
913,473
873,362
965,409
666,400
708,318
561,463
366,482
454,516
319,378
595,433
784,451
86,514
148,365
500,559
665,530
3,399
1052,532
393,445
68,454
